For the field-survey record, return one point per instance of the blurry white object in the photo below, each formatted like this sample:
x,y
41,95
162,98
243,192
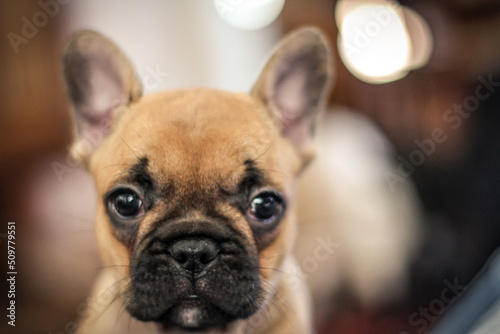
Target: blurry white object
x,y
380,40
177,44
355,232
249,14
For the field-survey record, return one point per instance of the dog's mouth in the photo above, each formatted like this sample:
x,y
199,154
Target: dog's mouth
x,y
194,314
194,283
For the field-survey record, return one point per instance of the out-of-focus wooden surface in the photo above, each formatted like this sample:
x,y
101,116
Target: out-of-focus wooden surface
x,y
34,126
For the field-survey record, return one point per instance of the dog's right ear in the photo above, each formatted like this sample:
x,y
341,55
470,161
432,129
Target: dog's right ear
x,y
100,80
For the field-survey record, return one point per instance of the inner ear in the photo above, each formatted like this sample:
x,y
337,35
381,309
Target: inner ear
x,y
99,80
96,89
288,97
297,98
295,84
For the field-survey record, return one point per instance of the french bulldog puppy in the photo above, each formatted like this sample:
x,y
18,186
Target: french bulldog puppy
x,y
196,217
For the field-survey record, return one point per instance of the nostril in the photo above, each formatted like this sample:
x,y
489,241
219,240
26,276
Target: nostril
x,y
204,258
181,258
207,257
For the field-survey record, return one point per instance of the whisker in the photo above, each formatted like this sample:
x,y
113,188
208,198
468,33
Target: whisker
x,y
267,149
275,171
113,266
273,256
129,147
275,269
115,165
118,293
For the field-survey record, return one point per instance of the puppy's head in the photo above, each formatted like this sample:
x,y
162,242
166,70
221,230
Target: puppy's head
x,y
195,211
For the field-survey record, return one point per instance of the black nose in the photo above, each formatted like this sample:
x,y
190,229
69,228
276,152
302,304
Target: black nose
x,y
194,254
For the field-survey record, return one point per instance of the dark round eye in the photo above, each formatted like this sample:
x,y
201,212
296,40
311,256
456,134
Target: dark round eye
x,y
126,205
266,207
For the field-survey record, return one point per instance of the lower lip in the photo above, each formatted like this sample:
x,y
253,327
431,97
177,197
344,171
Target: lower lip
x,y
191,303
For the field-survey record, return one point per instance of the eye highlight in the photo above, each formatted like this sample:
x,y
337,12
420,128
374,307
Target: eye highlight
x,y
126,204
266,208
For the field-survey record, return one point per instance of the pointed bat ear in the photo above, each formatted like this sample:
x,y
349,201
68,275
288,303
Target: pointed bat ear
x,y
294,85
100,80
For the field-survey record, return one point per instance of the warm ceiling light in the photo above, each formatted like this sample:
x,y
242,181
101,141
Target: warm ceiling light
x,y
376,43
249,14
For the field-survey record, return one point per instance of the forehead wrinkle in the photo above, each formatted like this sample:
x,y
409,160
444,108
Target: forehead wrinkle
x,y
154,216
227,160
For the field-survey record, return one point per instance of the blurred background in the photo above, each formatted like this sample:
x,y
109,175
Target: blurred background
x,y
424,74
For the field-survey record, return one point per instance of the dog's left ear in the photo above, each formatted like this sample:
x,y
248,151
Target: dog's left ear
x,y
294,85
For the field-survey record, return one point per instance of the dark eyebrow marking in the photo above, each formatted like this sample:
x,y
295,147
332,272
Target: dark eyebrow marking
x,y
253,177
140,175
